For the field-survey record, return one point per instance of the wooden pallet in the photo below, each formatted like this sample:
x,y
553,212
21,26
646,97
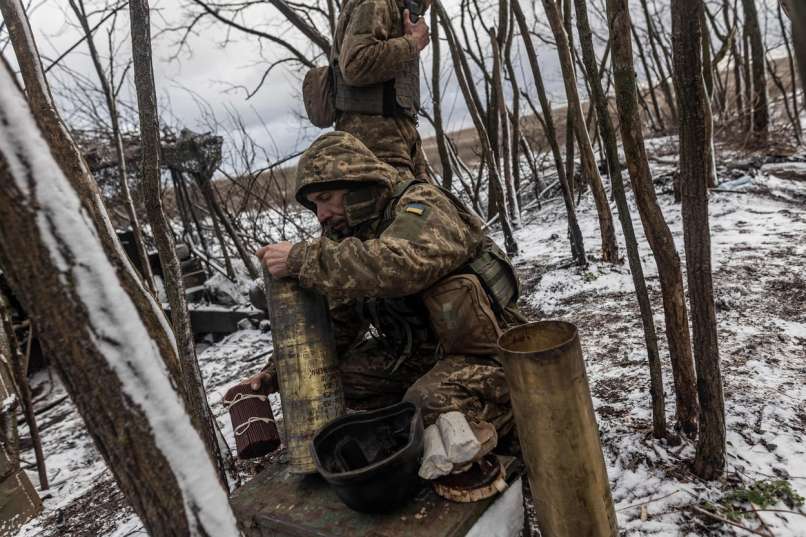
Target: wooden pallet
x,y
277,503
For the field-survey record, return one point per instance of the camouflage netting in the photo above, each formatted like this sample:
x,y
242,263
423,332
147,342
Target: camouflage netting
x,y
196,154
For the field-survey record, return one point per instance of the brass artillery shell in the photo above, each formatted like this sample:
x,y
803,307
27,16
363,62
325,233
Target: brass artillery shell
x,y
307,368
557,429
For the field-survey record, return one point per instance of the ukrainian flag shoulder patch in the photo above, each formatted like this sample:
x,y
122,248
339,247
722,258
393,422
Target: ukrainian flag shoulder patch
x,y
415,208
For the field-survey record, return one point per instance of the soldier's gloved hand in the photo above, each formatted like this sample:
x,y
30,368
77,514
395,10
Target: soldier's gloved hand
x,y
418,30
275,258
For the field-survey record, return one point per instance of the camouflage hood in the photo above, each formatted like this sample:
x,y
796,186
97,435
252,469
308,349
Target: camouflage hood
x,y
339,160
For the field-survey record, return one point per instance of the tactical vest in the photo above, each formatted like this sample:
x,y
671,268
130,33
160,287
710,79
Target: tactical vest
x,y
403,320
491,265
400,95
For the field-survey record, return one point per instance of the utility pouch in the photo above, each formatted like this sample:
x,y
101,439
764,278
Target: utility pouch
x,y
319,96
462,316
494,269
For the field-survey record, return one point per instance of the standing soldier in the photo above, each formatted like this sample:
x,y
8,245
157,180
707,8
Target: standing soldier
x,y
376,69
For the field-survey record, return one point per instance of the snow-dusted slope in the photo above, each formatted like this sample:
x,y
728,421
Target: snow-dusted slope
x,y
759,252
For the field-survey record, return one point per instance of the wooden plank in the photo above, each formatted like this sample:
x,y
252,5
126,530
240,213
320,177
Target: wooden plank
x,y
278,503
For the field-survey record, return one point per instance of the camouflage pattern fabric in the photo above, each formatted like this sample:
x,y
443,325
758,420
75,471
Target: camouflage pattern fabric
x,y
394,140
427,239
473,385
371,49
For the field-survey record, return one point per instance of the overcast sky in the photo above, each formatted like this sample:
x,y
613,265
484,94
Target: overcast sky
x,y
208,78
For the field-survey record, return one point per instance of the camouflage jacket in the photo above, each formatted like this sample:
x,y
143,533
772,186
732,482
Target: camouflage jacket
x,y
426,239
370,48
369,42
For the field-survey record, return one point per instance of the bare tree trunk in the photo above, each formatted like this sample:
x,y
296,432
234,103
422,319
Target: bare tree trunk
x,y
611,148
663,77
505,129
19,501
201,416
759,104
695,167
117,142
657,231
653,94
183,188
570,159
77,172
436,102
103,343
574,233
515,116
707,72
216,212
608,233
794,120
462,77
737,57
790,57
20,373
799,41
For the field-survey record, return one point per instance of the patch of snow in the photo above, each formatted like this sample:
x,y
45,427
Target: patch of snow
x,y
504,518
8,404
758,244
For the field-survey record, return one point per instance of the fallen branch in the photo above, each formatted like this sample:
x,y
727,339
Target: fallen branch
x,y
726,520
647,501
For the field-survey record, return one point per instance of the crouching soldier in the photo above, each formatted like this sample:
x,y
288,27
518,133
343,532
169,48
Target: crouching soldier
x,y
418,295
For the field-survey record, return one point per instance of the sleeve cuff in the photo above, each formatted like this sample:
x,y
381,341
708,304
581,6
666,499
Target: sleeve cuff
x,y
413,52
296,257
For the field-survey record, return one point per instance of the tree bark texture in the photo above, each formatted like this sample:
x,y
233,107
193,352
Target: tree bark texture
x,y
760,115
9,401
610,143
196,399
74,167
608,233
105,349
574,232
514,117
695,167
655,228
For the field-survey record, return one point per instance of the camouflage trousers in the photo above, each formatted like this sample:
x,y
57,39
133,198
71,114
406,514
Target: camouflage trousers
x,y
473,385
394,140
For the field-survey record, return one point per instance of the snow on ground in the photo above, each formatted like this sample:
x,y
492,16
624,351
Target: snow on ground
x,y
758,224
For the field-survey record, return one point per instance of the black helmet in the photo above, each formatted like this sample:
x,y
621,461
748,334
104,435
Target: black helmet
x,y
371,458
